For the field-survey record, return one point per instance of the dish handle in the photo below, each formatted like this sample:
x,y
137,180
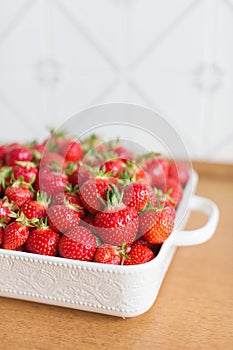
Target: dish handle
x,y
204,233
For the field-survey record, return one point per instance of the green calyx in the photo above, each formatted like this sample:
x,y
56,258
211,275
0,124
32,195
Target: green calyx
x,y
43,198
160,195
3,222
113,197
5,172
20,182
21,218
55,166
72,189
126,178
71,167
42,223
26,165
37,155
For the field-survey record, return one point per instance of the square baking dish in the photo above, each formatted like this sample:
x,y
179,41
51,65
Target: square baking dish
x,y
124,291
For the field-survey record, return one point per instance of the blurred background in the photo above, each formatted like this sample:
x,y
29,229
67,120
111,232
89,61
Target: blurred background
x,y
58,57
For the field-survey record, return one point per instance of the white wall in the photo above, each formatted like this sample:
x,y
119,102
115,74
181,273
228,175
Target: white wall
x,y
60,56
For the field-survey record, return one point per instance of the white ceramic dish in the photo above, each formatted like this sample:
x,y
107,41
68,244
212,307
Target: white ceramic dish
x,y
124,291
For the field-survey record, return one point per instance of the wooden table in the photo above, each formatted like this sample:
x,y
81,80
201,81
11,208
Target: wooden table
x,y
194,309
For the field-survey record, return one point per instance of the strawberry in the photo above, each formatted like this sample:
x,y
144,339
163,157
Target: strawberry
x,y
163,200
142,241
117,223
1,236
36,208
157,169
18,153
69,197
18,194
71,150
53,161
107,254
80,175
63,217
152,199
21,248
42,241
156,225
139,254
39,147
51,182
5,212
78,243
15,235
25,170
136,195
92,190
115,167
3,151
175,190
5,176
179,171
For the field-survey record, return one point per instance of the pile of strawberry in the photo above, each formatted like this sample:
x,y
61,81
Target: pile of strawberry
x,y
89,200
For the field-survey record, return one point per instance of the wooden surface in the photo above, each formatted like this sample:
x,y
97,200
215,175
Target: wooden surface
x,y
194,309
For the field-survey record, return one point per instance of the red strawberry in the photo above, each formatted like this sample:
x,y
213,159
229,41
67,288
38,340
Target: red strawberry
x,y
134,172
3,151
136,195
18,194
51,182
142,241
18,153
5,176
62,198
53,161
39,147
115,166
180,172
36,208
26,170
5,212
162,200
71,150
80,175
15,235
156,226
42,241
91,190
1,236
107,254
174,189
21,248
63,217
117,223
139,254
78,243
152,196
157,168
